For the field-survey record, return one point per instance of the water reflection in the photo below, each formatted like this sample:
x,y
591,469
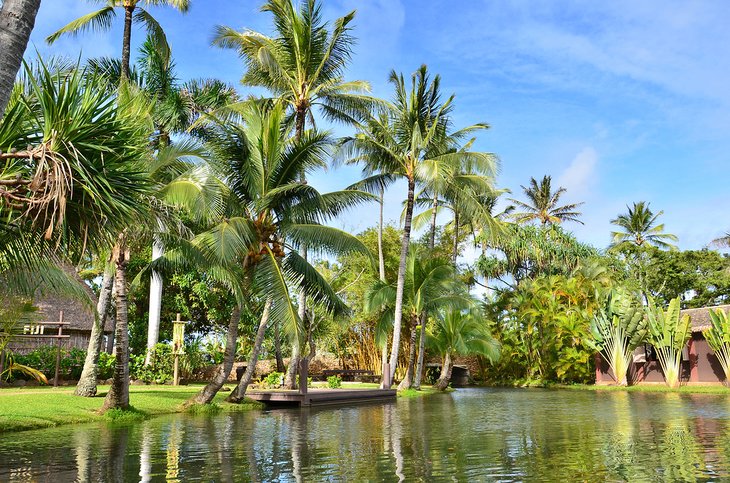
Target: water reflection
x,y
470,435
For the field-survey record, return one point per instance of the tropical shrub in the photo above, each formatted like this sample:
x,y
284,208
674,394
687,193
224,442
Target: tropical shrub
x,y
718,337
617,329
668,333
160,369
334,382
273,380
106,365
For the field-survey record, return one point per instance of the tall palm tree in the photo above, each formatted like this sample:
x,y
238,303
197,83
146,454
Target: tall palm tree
x,y
269,214
638,226
302,66
101,20
543,204
431,285
408,140
17,18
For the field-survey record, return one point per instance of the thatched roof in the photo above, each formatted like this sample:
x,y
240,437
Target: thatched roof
x,y
701,316
79,315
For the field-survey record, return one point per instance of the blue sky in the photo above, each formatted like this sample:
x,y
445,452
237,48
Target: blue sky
x,y
619,101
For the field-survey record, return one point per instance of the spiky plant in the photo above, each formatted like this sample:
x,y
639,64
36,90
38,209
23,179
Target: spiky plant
x,y
543,204
718,338
639,226
617,329
668,333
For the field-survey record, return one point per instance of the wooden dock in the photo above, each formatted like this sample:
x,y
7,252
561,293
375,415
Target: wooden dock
x,y
321,397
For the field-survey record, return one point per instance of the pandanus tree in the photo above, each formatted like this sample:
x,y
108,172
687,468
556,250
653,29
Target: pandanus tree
x,y
617,330
81,178
17,19
718,337
669,332
407,138
462,332
270,213
639,226
431,284
302,65
543,204
103,19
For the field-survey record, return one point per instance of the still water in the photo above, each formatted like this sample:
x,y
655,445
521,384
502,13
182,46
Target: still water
x,y
468,435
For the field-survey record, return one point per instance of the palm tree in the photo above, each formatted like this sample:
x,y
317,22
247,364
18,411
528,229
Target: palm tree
x,y
102,19
18,19
302,66
464,333
639,227
408,138
430,285
269,214
542,204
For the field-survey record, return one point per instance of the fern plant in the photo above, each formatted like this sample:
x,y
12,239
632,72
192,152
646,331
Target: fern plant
x,y
668,333
718,337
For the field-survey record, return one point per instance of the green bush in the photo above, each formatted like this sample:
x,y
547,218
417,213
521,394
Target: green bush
x,y
160,369
44,359
334,382
106,365
273,380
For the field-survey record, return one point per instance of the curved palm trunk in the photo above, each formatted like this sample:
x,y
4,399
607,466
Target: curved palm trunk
x,y
432,241
455,248
445,377
127,40
381,256
206,395
405,244
86,386
17,19
238,394
290,379
155,308
118,395
421,353
407,381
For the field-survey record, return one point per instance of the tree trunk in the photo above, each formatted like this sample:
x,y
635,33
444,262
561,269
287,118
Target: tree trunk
x,y
153,325
407,381
432,241
86,386
127,41
290,380
280,366
206,395
445,377
398,316
381,255
118,395
17,19
421,353
238,394
455,249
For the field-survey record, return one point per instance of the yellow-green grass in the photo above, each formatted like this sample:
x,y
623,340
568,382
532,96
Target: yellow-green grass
x,y
693,389
32,408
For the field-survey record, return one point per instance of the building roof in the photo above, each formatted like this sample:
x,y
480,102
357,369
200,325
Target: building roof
x,y
700,317
80,316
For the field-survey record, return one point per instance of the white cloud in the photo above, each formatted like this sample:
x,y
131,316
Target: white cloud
x,y
580,176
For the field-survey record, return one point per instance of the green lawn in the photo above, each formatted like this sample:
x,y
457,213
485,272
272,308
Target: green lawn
x,y
42,407
650,388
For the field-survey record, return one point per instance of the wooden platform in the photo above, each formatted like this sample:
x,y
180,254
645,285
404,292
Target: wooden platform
x,y
321,397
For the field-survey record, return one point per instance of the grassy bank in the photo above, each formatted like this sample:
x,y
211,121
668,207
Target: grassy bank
x,y
33,408
649,388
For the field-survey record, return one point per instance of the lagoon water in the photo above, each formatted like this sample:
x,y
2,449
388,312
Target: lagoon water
x,y
468,435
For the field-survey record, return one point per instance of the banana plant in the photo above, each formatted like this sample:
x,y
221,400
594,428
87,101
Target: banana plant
x,y
668,333
718,337
617,330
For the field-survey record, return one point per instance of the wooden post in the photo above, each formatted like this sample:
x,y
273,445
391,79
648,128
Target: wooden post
x,y
303,375
177,347
58,348
386,376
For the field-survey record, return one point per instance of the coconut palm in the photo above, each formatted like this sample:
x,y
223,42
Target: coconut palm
x,y
543,204
430,285
463,333
302,66
638,226
669,332
269,214
17,18
408,138
102,19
